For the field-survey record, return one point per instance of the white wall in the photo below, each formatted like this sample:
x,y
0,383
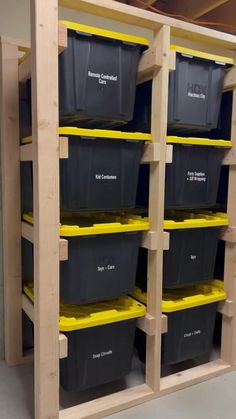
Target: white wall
x,y
15,22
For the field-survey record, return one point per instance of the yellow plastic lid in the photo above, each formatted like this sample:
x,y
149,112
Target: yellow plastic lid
x,y
140,295
98,133
190,297
75,317
201,54
104,33
195,296
181,219
177,219
85,224
198,141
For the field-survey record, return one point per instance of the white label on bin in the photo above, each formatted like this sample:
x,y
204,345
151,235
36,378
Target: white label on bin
x,y
100,176
193,257
193,333
102,354
106,268
103,78
197,91
196,176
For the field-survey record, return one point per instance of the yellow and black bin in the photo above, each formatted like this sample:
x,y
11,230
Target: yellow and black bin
x,y
195,93
100,173
192,178
100,341
191,257
97,75
103,254
191,316
97,78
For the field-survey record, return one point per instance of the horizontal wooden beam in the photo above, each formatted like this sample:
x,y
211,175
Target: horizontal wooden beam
x,y
230,79
28,308
62,38
107,405
26,150
226,308
228,234
230,157
151,153
192,376
27,231
172,60
63,346
169,153
24,72
148,324
149,240
25,65
64,251
22,45
150,61
164,324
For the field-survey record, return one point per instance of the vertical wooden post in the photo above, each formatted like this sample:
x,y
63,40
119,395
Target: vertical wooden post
x,y
44,42
156,205
11,210
228,346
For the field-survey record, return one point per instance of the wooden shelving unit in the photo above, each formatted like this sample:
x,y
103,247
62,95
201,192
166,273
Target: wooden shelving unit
x,y
47,40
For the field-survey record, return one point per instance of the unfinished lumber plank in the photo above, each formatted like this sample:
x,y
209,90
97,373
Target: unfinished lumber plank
x,y
110,404
151,153
45,111
150,240
194,375
26,150
27,231
11,208
28,308
25,64
156,206
228,346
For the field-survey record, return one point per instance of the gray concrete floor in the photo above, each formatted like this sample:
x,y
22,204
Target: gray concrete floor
x,y
214,399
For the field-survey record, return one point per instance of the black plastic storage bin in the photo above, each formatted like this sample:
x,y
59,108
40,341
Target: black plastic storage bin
x,y
195,92
192,252
191,320
223,129
101,172
100,341
192,179
97,79
102,256
25,113
97,76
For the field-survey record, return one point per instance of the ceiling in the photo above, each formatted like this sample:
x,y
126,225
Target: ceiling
x,y
214,11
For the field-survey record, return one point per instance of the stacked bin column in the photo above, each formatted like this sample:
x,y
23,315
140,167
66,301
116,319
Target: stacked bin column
x,y
98,184
193,217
